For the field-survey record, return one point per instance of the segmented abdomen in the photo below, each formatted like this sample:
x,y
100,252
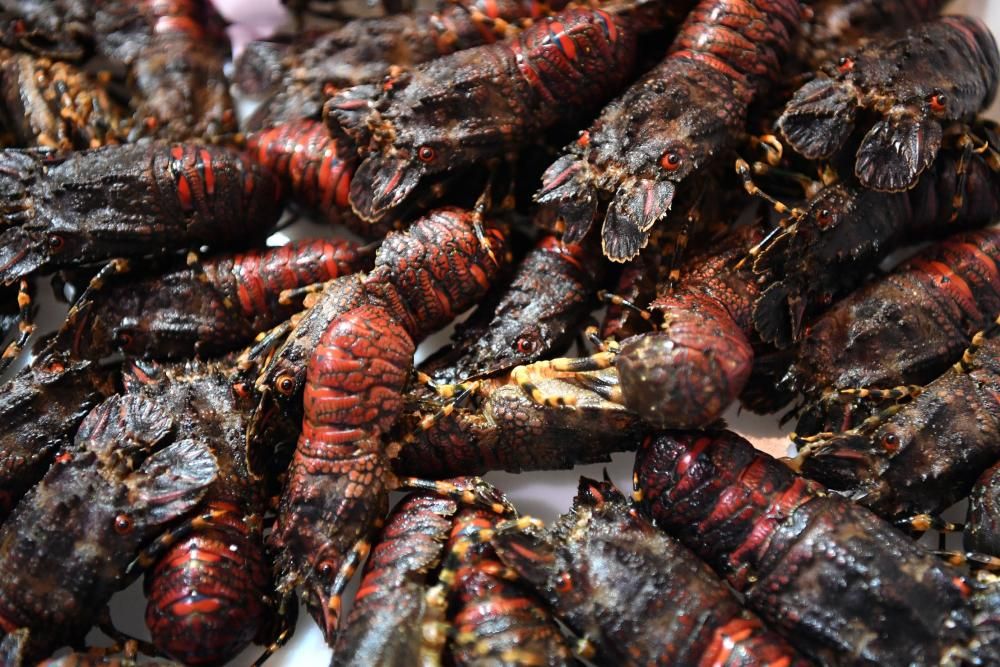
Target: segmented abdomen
x,y
254,280
743,39
304,156
215,185
497,621
392,591
576,58
427,277
788,547
207,594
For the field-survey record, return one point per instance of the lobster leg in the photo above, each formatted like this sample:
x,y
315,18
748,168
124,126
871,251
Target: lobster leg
x,y
25,327
526,376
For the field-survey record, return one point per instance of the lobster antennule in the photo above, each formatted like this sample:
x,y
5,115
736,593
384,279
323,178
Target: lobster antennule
x,y
568,185
819,118
381,184
637,206
896,151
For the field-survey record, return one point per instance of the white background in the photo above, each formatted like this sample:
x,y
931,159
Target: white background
x,y
542,494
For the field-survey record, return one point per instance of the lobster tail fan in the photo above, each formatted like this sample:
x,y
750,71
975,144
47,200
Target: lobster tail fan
x,y
636,208
348,115
896,151
819,118
567,187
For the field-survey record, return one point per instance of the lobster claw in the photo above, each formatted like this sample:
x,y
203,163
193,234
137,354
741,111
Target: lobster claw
x,y
637,206
381,184
819,118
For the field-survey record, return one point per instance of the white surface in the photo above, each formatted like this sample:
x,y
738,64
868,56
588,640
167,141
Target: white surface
x,y
543,494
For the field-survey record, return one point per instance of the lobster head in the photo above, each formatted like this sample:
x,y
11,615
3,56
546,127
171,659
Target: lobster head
x,y
129,482
414,130
645,145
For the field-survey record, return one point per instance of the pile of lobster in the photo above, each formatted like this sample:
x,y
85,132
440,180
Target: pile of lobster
x,y
228,419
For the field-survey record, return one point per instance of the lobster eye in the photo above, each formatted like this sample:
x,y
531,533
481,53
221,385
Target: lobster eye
x,y
939,103
326,569
670,161
241,389
525,345
426,154
824,217
890,441
565,583
124,524
124,339
56,242
845,65
285,384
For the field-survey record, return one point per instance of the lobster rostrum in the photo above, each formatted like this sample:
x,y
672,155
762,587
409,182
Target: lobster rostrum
x,y
65,548
637,596
211,306
209,590
481,103
536,314
937,74
842,585
62,212
671,124
340,476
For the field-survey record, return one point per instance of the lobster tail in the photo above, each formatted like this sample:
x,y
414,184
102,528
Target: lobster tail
x,y
896,151
209,585
819,118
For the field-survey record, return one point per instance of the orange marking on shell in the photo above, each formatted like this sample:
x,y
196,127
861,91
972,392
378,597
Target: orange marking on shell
x,y
204,606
